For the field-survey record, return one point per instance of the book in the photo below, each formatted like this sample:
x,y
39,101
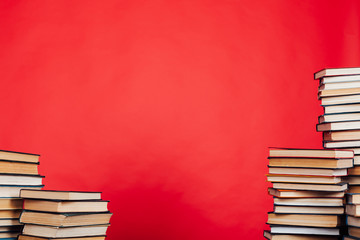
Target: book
x,y
333,202
354,171
308,209
339,85
19,156
66,206
348,108
17,167
354,231
338,126
59,195
345,117
63,232
9,222
303,194
26,237
341,144
308,171
16,228
338,92
9,191
357,160
311,220
9,235
336,72
275,236
341,135
20,179
10,213
354,189
310,153
353,221
335,79
353,198
303,179
350,238
311,187
10,203
352,180
64,219
353,210
304,230
326,163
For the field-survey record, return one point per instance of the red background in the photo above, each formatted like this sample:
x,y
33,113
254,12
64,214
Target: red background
x,y
168,107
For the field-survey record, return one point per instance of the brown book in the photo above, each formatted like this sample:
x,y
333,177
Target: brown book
x,y
272,236
327,163
59,195
10,203
65,219
341,135
63,232
354,171
17,167
66,206
311,187
303,194
354,189
308,171
9,222
308,209
338,92
354,231
6,235
26,237
10,213
311,220
353,210
303,179
352,180
19,156
353,221
310,153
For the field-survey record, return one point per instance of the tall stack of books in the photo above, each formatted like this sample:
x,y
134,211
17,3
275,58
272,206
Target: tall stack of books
x,y
17,171
339,93
308,193
64,215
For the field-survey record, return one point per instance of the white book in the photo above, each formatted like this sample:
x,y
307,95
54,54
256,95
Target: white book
x,y
338,126
340,85
336,79
31,180
337,72
342,144
339,117
328,101
347,108
305,230
14,191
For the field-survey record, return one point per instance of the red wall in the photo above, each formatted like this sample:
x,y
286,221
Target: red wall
x,y
168,107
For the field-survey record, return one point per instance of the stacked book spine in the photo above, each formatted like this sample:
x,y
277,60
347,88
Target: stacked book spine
x,y
308,193
17,171
64,215
339,93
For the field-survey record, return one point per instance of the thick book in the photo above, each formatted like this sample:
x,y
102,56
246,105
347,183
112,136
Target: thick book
x,y
60,195
353,198
353,210
308,171
352,221
19,156
272,236
304,230
308,209
9,222
354,189
352,180
66,206
10,213
354,171
339,85
310,153
327,163
311,220
312,187
10,203
336,72
346,117
330,202
338,92
338,126
354,231
27,237
303,194
20,179
341,135
9,235
64,219
16,167
10,191
303,179
17,228
63,232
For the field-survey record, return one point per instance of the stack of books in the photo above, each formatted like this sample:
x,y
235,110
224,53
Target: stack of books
x,y
339,93
17,171
63,215
308,193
